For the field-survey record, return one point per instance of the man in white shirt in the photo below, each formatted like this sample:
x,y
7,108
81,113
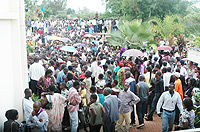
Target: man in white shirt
x,y
166,78
168,101
27,103
93,70
36,70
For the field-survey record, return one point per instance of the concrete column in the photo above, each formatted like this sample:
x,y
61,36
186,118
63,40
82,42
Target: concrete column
x,y
13,57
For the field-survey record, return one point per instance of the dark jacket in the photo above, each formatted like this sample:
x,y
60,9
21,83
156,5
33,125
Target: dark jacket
x,y
159,86
15,126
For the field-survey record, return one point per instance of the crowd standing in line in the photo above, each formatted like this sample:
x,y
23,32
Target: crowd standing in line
x,y
98,87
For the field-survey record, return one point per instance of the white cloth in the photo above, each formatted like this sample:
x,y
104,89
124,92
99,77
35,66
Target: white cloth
x,y
168,103
99,71
94,68
166,79
28,107
36,70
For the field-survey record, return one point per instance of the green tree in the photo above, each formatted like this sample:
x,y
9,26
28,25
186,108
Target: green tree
x,y
54,6
131,33
192,21
145,9
70,11
168,27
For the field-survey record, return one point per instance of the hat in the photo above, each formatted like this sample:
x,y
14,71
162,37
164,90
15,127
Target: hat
x,y
177,74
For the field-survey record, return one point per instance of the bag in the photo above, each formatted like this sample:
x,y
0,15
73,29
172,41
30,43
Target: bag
x,y
49,104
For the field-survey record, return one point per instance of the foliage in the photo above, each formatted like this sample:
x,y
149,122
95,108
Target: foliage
x,y
181,43
131,33
70,11
35,98
145,9
192,21
85,13
31,9
29,48
169,26
196,41
54,7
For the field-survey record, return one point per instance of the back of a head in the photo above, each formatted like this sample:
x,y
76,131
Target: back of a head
x,y
178,70
52,88
93,96
168,69
11,114
76,83
93,89
158,73
101,76
70,76
141,78
115,82
107,90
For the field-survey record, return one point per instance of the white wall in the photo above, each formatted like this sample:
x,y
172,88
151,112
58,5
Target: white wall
x,y
13,78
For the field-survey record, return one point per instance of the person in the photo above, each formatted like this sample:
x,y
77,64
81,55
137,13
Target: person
x,y
188,115
121,76
56,113
191,85
45,81
65,94
11,125
100,86
115,90
132,88
95,111
88,85
62,74
196,105
178,84
111,106
166,78
27,103
73,105
179,89
93,90
168,101
128,99
38,119
93,70
142,92
148,75
36,71
83,94
159,88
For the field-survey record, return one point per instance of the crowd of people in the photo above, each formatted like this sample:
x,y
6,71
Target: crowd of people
x,y
97,87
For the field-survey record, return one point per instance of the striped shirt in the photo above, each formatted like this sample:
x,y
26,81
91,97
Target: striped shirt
x,y
73,98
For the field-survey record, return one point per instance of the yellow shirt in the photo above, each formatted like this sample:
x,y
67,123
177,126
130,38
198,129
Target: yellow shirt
x,y
83,96
147,78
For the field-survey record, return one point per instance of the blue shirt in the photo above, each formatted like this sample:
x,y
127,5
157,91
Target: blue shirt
x,y
60,77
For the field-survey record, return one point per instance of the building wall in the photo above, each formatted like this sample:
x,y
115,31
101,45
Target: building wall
x,y
13,78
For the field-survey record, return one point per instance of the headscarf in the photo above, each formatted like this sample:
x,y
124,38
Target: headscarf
x,y
196,95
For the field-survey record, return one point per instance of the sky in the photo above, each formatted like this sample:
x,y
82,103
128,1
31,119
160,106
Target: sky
x,y
93,5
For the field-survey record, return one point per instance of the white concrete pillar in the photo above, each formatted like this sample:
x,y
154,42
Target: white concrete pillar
x,y
13,57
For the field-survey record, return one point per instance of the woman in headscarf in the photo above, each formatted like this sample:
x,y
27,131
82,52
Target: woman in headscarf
x,y
196,105
121,76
